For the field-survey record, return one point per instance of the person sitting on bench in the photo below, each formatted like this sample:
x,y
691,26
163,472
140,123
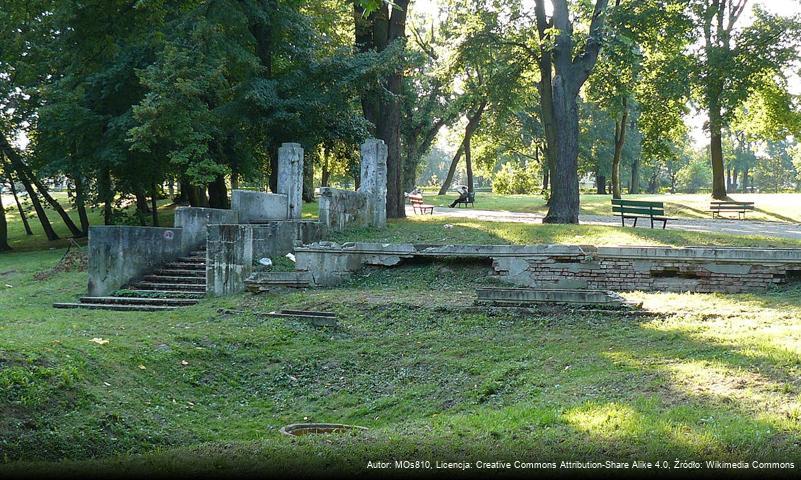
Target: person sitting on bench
x,y
462,195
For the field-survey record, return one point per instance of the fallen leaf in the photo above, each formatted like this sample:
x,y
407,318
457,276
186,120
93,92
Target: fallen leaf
x,y
99,341
142,367
184,362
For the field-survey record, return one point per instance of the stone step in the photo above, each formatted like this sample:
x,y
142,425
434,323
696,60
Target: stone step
x,y
194,260
175,279
528,296
181,272
200,266
118,307
147,293
173,302
260,281
162,286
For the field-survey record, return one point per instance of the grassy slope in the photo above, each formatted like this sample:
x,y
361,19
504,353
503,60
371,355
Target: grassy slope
x,y
717,378
781,207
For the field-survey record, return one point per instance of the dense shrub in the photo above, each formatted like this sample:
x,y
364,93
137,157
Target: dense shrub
x,y
513,179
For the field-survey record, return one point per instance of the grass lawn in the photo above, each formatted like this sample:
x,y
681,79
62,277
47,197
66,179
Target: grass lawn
x,y
780,207
440,230
206,388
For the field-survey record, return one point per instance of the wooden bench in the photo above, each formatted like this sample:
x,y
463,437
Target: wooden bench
x,y
719,206
418,206
471,199
640,209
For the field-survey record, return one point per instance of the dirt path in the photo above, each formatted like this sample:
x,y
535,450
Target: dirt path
x,y
735,227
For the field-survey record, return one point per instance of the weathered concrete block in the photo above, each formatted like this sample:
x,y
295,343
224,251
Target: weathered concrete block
x,y
341,209
121,254
229,258
290,177
194,220
374,180
256,207
276,239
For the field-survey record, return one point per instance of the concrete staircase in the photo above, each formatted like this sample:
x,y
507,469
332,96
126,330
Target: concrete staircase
x,y
178,283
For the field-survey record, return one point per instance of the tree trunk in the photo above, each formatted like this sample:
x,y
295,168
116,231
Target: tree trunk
x,y
634,187
308,176
154,205
21,210
325,176
37,205
184,188
274,169
451,170
23,170
4,246
80,204
218,193
234,180
600,184
472,125
107,194
468,165
620,139
141,206
565,195
571,70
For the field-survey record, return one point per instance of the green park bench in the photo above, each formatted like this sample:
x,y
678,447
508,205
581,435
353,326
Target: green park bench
x,y
639,209
719,206
471,199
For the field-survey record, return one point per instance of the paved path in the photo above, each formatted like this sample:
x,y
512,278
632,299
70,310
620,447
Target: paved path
x,y
736,227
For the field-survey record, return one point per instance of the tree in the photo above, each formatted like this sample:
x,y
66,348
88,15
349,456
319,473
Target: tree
x,y
563,74
643,37
377,30
731,61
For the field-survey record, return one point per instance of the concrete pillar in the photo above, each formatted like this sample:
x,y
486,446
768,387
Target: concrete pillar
x,y
374,179
229,258
290,177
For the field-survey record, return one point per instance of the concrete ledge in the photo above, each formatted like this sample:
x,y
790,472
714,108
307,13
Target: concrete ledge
x,y
696,269
259,206
194,220
119,254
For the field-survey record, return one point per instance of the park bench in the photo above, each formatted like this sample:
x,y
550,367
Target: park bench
x,y
471,199
719,206
640,209
418,206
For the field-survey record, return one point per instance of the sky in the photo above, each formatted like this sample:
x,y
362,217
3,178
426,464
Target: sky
x,y
697,119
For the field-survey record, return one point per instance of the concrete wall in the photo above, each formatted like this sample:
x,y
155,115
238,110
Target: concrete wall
x,y
121,254
257,207
276,239
194,220
233,250
341,209
229,258
697,269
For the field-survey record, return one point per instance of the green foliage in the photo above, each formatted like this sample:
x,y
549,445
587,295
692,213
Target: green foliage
x,y
513,179
695,176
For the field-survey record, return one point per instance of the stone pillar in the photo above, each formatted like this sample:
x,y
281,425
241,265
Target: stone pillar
x,y
290,177
374,180
229,258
